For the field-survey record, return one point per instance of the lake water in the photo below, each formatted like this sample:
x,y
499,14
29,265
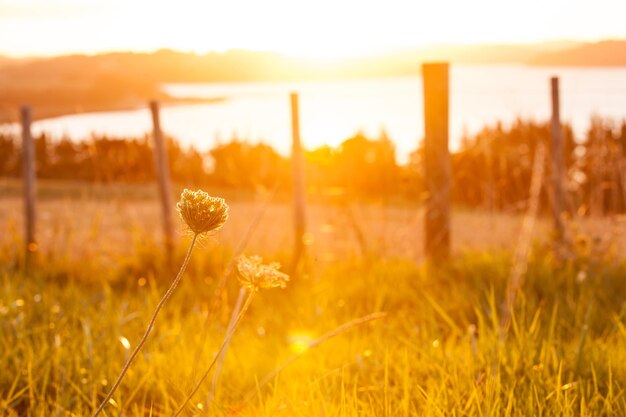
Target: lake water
x,y
331,111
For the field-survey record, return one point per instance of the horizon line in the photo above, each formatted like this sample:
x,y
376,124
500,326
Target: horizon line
x,y
379,52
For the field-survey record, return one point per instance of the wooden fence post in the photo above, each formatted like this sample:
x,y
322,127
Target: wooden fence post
x,y
297,166
163,179
558,165
438,173
30,186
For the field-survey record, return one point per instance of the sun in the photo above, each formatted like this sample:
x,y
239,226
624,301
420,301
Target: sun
x,y
319,32
321,29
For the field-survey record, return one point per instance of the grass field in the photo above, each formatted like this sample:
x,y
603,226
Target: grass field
x,y
69,324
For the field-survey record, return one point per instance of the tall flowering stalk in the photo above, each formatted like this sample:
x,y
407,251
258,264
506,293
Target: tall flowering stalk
x,y
254,275
202,214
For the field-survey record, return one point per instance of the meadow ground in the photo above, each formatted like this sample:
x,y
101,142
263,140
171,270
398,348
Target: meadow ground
x,y
69,323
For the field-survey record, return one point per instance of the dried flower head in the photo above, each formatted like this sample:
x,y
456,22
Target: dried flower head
x,y
201,212
255,275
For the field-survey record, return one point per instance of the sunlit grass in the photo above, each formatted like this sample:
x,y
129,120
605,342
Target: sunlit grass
x,y
68,328
438,351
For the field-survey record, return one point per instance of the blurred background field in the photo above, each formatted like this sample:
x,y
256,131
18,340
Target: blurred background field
x,y
68,325
81,220
99,270
103,223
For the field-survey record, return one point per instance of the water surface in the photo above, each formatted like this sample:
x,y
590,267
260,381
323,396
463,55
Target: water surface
x,y
331,111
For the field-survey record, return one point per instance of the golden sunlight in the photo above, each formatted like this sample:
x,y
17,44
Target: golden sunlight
x,y
299,341
322,29
386,208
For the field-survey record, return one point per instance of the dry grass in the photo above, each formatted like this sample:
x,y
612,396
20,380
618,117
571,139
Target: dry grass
x,y
71,225
66,327
87,224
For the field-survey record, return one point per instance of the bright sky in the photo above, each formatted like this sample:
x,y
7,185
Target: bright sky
x,y
314,28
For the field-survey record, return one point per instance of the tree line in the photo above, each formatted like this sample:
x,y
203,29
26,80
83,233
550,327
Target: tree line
x,y
491,169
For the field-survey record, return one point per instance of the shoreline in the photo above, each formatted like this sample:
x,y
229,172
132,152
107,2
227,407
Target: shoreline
x,y
41,113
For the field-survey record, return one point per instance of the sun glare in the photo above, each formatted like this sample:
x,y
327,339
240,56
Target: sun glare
x,y
299,341
323,29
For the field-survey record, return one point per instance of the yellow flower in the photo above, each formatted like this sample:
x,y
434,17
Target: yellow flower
x,y
255,275
201,212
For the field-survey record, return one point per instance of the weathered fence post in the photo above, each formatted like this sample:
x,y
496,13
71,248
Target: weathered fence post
x,y
438,175
30,186
558,165
163,178
297,166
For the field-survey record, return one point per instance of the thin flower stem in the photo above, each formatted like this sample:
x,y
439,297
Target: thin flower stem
x,y
150,326
229,335
241,246
216,356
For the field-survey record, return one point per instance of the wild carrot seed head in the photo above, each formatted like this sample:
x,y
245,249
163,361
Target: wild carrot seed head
x,y
255,275
201,212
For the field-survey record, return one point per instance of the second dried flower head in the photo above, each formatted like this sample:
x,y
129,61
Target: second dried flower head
x,y
201,212
255,275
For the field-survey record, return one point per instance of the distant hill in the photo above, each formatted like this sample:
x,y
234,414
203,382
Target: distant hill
x,y
488,54
241,65
605,53
5,61
119,80
79,83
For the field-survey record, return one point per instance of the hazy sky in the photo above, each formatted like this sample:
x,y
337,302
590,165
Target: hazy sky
x,y
315,28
